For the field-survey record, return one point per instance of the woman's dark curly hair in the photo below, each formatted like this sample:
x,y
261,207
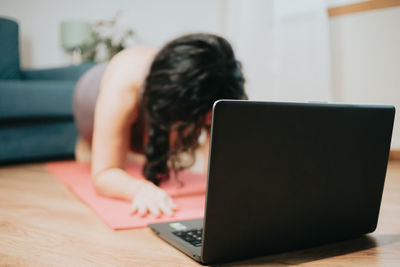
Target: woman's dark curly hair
x,y
186,77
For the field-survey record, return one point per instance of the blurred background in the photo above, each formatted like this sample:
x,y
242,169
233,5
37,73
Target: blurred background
x,y
333,50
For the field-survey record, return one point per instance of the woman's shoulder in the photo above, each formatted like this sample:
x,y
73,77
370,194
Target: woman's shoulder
x,y
134,58
135,52
129,67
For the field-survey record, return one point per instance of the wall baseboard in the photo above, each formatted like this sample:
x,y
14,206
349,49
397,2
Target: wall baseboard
x,y
362,7
394,154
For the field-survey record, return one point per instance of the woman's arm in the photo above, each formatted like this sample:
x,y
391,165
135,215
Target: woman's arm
x,y
116,110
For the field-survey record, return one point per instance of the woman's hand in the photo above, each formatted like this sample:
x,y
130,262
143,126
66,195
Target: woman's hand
x,y
152,199
147,197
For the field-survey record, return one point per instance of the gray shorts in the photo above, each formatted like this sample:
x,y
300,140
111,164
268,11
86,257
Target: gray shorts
x,y
85,97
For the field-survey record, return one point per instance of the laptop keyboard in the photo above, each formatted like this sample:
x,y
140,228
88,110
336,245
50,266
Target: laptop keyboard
x,y
192,236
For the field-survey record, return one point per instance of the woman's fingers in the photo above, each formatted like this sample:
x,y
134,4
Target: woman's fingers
x,y
142,209
166,209
153,208
134,208
171,204
154,200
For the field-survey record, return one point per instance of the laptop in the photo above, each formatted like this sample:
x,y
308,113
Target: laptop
x,y
285,176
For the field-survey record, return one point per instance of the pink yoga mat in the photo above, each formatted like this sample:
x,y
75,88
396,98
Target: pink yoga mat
x,y
190,198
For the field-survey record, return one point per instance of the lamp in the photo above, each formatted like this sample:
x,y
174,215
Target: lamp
x,y
75,35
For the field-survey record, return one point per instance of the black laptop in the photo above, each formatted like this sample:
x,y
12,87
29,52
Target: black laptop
x,y
284,176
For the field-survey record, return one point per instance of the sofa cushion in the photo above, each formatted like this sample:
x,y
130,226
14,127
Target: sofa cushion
x,y
35,99
9,55
39,140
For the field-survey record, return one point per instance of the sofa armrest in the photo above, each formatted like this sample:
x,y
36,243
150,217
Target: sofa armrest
x,y
69,73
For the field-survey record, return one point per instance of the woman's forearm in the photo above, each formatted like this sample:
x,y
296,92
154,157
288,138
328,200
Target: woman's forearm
x,y
116,183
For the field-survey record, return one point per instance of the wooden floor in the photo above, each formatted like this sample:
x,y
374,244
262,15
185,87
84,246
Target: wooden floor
x,y
42,224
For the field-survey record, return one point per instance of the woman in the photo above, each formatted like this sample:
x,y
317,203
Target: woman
x,y
155,103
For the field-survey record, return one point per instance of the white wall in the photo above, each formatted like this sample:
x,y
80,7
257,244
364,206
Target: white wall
x,y
155,22
366,59
283,46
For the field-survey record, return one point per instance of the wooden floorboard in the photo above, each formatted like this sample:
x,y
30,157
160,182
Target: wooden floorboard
x,y
43,224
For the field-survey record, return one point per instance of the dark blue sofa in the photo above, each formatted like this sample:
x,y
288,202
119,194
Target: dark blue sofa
x,y
36,121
